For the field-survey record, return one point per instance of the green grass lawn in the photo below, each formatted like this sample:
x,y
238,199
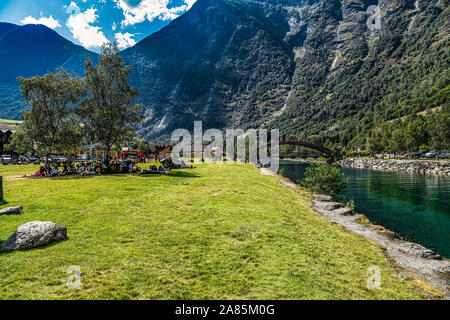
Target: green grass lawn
x,y
12,123
215,232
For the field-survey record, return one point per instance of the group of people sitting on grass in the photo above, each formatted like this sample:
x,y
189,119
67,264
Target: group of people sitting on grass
x,y
84,169
128,166
68,169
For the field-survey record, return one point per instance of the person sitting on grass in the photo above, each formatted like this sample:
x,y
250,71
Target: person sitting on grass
x,y
136,169
184,166
162,169
66,170
55,172
45,172
98,168
124,166
72,169
86,170
40,172
81,168
47,168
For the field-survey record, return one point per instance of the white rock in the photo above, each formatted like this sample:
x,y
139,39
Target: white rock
x,y
34,234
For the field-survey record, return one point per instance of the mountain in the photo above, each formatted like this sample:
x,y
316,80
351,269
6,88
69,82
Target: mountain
x,y
307,67
31,50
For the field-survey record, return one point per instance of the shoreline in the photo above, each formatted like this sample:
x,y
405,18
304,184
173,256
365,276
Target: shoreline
x,y
422,262
439,168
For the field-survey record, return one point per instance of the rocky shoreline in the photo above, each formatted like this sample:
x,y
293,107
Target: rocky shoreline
x,y
421,261
441,168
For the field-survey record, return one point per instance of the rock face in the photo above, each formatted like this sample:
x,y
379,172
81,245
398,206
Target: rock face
x,y
407,166
35,234
304,66
11,210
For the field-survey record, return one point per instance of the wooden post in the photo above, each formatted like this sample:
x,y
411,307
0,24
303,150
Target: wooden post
x,y
1,188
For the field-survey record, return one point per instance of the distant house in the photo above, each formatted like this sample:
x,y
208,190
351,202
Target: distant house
x,y
5,135
97,151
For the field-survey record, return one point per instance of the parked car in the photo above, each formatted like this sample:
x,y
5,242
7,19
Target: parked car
x,y
61,159
432,154
22,160
50,159
417,154
33,159
6,159
445,155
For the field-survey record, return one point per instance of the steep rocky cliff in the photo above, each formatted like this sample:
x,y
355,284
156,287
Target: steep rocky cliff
x,y
334,68
307,67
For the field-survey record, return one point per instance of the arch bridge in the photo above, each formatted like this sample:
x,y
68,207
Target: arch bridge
x,y
328,152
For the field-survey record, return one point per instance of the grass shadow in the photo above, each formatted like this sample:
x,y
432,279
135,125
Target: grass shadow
x,y
180,173
54,243
183,174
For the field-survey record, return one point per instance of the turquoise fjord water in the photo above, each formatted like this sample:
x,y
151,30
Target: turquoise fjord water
x,y
417,207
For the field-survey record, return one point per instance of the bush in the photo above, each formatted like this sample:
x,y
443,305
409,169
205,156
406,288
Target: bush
x,y
355,154
324,178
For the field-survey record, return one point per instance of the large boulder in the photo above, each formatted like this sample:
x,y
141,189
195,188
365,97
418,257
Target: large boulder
x,y
35,234
11,210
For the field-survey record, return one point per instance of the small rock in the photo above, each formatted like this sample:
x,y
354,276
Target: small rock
x,y
288,183
35,234
322,197
344,211
328,206
11,210
420,251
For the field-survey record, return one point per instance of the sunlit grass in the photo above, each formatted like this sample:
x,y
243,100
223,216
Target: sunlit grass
x,y
215,232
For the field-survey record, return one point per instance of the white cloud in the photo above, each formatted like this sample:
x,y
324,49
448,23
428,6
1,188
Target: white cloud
x,y
124,40
114,26
49,21
79,24
151,10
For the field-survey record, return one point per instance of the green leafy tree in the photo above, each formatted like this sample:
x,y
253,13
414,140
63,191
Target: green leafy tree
x,y
50,126
439,128
397,142
374,141
324,178
108,111
415,134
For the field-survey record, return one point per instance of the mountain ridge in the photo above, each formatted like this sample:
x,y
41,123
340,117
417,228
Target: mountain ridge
x,y
33,50
307,67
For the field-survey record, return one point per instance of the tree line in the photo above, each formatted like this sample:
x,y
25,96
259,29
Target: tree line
x,y
67,110
414,133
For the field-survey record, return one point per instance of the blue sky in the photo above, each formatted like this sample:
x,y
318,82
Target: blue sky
x,y
90,23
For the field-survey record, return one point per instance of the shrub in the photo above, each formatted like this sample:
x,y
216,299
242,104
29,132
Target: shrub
x,y
324,178
354,154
